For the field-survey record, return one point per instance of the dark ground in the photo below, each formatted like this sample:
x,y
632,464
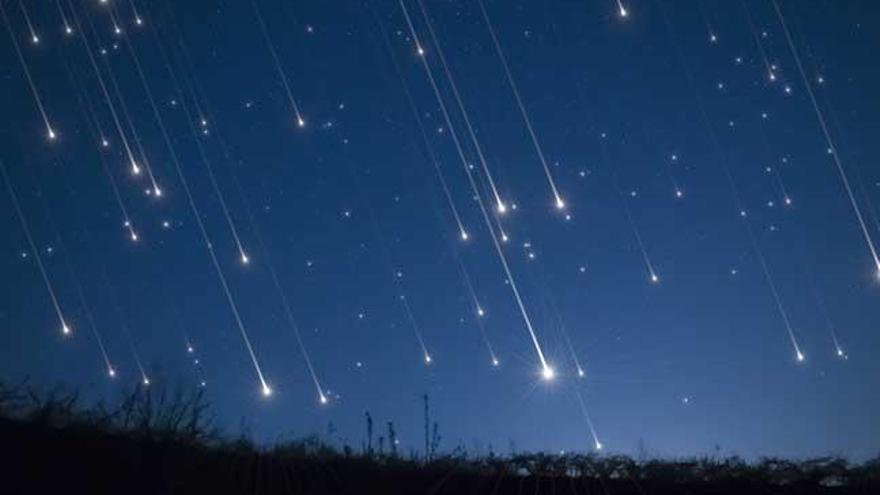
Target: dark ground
x,y
150,445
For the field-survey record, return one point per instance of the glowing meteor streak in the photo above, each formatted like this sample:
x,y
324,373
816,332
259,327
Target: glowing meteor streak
x,y
547,371
65,328
829,141
432,156
117,29
322,396
652,274
85,103
265,389
135,168
68,30
416,329
621,10
738,203
50,132
300,121
558,201
479,312
434,161
242,254
157,192
35,38
771,72
90,318
823,310
123,324
596,443
499,203
138,20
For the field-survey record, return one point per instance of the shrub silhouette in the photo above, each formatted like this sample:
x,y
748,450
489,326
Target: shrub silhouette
x,y
155,441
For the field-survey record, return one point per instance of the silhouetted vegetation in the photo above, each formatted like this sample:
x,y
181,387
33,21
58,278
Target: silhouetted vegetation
x,y
157,442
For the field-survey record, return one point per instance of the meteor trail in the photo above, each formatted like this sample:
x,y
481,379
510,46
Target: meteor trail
x,y
138,20
829,141
771,72
432,156
721,158
123,324
500,205
300,121
621,10
135,168
479,312
65,329
265,389
546,370
652,274
288,312
85,104
35,39
50,133
596,443
466,279
67,28
243,257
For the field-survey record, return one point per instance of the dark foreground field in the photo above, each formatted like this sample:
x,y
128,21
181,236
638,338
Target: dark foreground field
x,y
159,445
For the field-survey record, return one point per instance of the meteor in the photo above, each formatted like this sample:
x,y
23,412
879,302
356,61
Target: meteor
x,y
454,134
480,312
291,320
65,328
621,10
35,39
652,274
432,156
501,207
738,203
50,133
135,169
123,324
68,30
828,140
596,443
209,245
245,260
558,201
138,20
90,317
771,70
155,190
300,121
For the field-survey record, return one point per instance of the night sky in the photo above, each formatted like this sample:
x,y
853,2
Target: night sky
x,y
707,232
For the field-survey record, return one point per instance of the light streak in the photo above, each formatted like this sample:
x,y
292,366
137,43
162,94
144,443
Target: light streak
x,y
135,168
300,121
454,134
209,246
68,30
65,328
499,203
50,132
123,324
621,10
829,141
738,203
596,443
35,38
653,277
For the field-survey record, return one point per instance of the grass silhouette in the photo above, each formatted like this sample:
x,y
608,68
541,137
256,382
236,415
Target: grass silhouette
x,y
157,442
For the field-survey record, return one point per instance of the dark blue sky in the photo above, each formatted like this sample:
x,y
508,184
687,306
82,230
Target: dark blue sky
x,y
349,213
